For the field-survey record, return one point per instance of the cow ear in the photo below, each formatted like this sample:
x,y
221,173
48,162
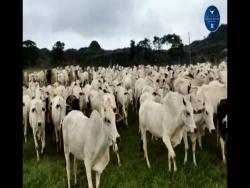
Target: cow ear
x,y
184,102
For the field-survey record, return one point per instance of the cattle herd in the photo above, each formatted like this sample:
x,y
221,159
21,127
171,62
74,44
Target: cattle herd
x,y
82,106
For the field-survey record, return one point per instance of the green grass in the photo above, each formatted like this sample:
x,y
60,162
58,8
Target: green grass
x,y
50,171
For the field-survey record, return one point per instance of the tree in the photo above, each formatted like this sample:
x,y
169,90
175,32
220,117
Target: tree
x,y
94,48
165,40
29,44
132,49
157,42
57,52
30,53
94,45
144,44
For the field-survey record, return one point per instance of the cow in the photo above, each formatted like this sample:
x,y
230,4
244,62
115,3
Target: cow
x,y
153,96
49,76
167,121
84,77
72,103
37,123
203,116
223,125
58,112
182,85
88,139
124,98
26,109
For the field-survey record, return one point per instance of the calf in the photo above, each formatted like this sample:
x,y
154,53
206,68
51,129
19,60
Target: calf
x,y
37,122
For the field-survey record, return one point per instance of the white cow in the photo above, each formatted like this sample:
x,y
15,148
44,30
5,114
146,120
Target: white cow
x,y
84,77
154,96
37,123
58,112
88,139
124,98
213,93
182,85
167,121
203,116
26,109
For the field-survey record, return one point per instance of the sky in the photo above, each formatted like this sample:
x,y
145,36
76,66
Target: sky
x,y
113,23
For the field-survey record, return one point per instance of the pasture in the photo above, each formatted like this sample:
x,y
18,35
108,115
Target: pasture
x,y
50,171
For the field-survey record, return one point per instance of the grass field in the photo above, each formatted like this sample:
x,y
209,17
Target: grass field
x,y
50,171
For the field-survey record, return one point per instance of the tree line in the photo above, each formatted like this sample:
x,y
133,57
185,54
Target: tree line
x,y
167,49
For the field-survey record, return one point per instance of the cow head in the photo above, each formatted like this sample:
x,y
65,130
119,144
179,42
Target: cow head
x,y
208,116
37,112
110,122
187,115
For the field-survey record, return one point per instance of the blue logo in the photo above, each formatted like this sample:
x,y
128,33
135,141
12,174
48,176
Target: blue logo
x,y
212,18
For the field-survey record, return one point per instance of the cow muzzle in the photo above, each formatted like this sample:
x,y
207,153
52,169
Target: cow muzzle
x,y
118,139
195,130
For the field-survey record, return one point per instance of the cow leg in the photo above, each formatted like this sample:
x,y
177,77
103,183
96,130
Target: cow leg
x,y
53,133
136,103
169,162
217,131
43,141
75,170
185,139
118,157
97,179
171,152
25,130
222,143
175,168
36,145
193,150
144,140
67,165
56,133
125,115
60,139
200,141
88,172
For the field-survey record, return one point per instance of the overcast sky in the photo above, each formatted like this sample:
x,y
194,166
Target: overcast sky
x,y
113,23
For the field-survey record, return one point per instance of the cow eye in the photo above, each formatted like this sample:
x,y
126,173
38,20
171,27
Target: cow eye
x,y
206,112
163,80
157,80
33,109
81,93
106,120
188,114
43,109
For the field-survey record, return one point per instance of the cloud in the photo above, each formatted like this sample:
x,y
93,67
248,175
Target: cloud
x,y
114,23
